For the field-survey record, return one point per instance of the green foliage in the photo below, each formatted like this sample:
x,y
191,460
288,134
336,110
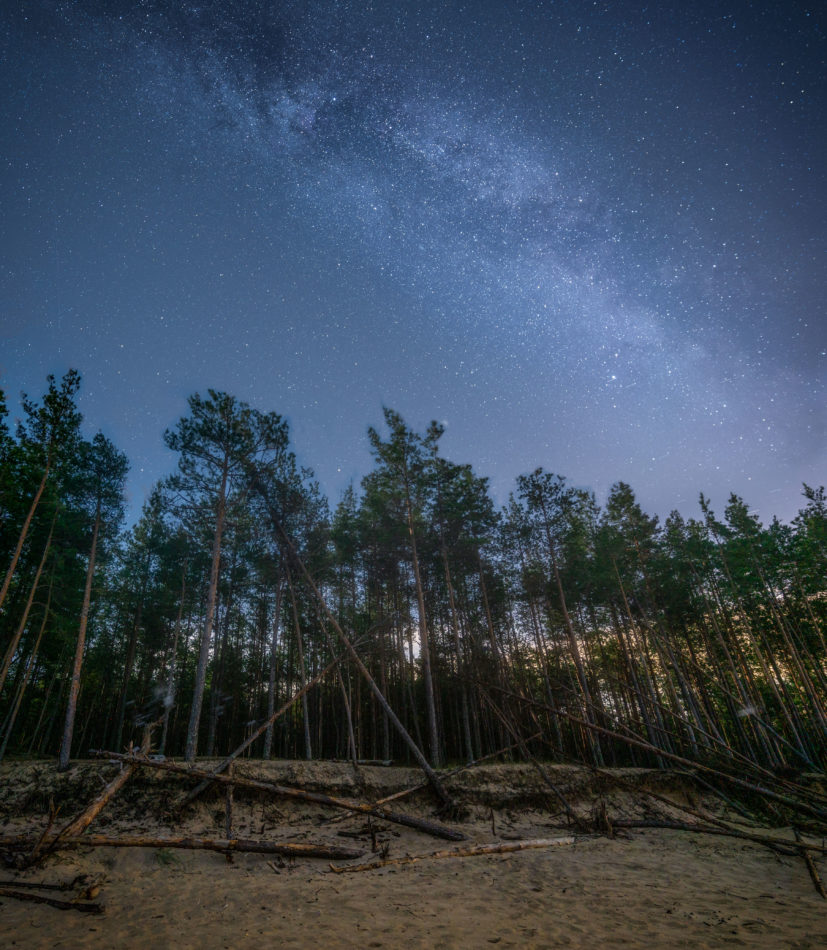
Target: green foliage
x,y
704,636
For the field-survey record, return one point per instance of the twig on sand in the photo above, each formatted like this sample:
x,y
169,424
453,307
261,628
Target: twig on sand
x,y
811,867
502,848
777,844
83,906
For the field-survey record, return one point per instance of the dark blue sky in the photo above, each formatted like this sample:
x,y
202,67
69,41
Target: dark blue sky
x,y
587,236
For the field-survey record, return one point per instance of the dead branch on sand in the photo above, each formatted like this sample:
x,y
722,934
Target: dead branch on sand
x,y
482,849
804,850
777,844
83,906
285,849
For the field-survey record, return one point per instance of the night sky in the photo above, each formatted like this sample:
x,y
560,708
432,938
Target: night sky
x,y
587,236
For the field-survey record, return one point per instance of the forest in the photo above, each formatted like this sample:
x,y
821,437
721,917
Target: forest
x,y
413,621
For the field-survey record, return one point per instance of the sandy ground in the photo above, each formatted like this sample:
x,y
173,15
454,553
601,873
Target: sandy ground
x,y
642,889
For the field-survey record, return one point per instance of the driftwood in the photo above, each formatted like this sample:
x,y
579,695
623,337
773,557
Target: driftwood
x,y
420,824
504,848
225,845
83,906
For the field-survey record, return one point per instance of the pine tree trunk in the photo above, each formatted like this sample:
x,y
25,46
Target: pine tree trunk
x,y
9,725
308,750
74,687
424,640
170,690
204,652
24,619
271,679
24,532
127,669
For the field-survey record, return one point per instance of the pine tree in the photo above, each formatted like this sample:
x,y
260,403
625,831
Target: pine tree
x,y
104,471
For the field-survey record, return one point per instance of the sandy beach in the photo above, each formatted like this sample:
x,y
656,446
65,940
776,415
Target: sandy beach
x,y
643,888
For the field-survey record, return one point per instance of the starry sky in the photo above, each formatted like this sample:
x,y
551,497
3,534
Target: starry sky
x,y
588,236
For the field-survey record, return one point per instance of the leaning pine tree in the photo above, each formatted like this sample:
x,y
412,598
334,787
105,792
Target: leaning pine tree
x,y
102,480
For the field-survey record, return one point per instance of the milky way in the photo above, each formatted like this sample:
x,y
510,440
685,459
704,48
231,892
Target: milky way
x,y
586,236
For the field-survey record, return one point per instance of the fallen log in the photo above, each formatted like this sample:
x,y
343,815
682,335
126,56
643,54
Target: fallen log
x,y
482,849
83,906
79,824
33,885
224,845
420,824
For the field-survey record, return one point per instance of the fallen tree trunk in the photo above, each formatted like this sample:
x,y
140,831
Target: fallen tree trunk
x,y
224,845
420,824
79,824
433,779
506,848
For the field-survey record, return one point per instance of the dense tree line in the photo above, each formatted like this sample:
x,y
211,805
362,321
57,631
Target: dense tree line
x,y
555,626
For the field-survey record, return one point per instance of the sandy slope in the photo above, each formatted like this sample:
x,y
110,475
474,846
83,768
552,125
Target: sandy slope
x,y
648,889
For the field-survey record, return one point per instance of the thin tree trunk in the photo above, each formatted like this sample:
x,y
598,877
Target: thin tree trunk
x,y
204,652
74,688
169,694
572,637
24,619
308,750
29,669
271,681
461,673
127,667
424,640
24,531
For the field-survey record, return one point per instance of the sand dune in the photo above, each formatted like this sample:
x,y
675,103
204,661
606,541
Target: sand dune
x,y
647,889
